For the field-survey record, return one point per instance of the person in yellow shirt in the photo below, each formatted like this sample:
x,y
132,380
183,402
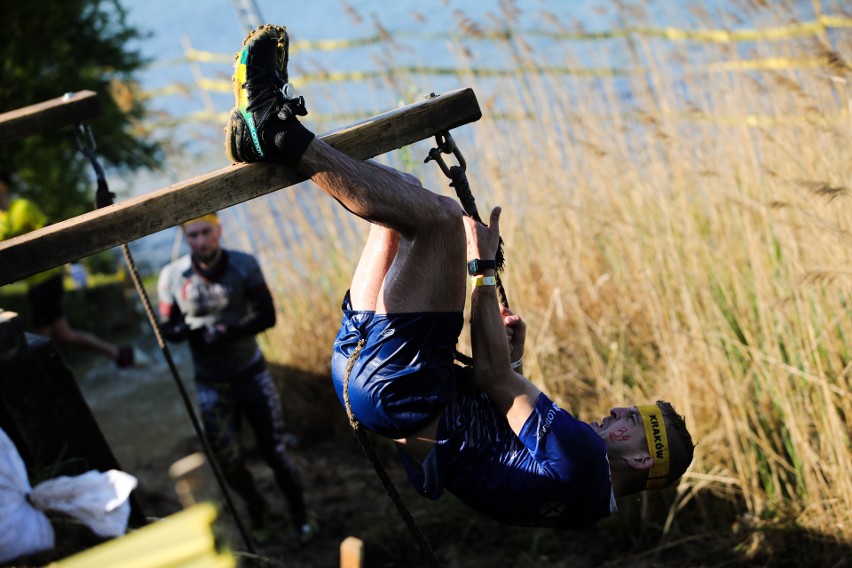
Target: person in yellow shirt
x,y
44,290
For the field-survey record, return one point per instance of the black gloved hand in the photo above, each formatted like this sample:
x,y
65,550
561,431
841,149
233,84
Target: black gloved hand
x,y
213,334
175,332
208,336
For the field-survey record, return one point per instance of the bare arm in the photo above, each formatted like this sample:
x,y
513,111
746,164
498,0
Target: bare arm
x,y
513,393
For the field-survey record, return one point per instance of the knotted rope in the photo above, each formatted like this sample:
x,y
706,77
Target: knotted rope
x,y
103,198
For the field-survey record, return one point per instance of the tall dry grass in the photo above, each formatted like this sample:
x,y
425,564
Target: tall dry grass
x,y
681,232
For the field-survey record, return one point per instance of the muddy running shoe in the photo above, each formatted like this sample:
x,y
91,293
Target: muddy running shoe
x,y
263,124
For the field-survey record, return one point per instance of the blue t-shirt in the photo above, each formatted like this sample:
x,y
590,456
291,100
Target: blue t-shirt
x,y
555,474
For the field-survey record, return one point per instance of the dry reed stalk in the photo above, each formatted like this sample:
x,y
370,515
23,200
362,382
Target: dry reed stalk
x,y
664,239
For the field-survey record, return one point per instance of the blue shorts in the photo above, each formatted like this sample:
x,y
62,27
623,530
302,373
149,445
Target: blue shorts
x,y
403,377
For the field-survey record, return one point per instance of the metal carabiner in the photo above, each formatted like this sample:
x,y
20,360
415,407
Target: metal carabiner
x,y
446,145
81,131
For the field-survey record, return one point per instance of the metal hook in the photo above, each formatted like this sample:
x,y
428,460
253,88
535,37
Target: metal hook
x,y
81,131
446,145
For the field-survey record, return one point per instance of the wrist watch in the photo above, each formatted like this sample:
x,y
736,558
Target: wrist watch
x,y
477,266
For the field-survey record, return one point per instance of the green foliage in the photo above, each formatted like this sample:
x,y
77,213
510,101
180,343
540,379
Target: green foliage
x,y
105,262
62,46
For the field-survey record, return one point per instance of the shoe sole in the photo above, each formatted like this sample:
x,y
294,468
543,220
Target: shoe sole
x,y
231,141
238,116
238,123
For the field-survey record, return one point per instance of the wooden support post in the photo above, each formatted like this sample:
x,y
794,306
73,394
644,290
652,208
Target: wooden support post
x,y
351,552
189,478
111,226
37,118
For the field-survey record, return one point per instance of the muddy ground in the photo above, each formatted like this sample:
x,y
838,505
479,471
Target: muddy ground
x,y
346,498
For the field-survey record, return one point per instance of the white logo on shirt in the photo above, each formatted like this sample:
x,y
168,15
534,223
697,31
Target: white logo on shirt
x,y
544,428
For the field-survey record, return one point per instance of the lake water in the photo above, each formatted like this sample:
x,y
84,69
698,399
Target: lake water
x,y
422,31
425,34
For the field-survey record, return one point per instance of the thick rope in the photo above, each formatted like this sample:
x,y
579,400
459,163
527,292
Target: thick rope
x,y
361,435
187,401
104,198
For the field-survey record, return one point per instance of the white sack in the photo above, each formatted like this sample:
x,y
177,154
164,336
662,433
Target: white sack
x,y
99,500
23,529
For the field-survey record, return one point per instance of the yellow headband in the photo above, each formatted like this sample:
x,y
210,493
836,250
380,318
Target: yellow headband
x,y
658,445
209,218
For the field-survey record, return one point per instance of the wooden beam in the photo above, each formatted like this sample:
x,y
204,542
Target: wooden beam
x,y
111,226
37,118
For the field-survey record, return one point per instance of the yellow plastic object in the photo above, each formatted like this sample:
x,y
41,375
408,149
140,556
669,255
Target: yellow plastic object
x,y
182,540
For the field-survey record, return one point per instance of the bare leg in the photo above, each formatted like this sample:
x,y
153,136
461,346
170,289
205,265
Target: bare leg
x,y
376,259
62,332
422,267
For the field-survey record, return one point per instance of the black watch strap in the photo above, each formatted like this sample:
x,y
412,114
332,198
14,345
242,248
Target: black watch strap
x,y
477,266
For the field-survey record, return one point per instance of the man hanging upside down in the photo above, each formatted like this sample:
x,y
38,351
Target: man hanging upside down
x,y
496,442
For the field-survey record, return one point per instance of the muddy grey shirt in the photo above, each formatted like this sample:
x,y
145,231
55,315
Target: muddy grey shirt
x,y
226,296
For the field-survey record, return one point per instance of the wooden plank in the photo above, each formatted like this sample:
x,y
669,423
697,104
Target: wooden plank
x,y
351,552
37,118
111,226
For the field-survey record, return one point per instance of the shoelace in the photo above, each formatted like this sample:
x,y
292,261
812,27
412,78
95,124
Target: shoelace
x,y
282,106
263,79
292,107
267,102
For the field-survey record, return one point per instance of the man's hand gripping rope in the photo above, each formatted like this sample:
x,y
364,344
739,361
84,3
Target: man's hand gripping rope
x,y
483,242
